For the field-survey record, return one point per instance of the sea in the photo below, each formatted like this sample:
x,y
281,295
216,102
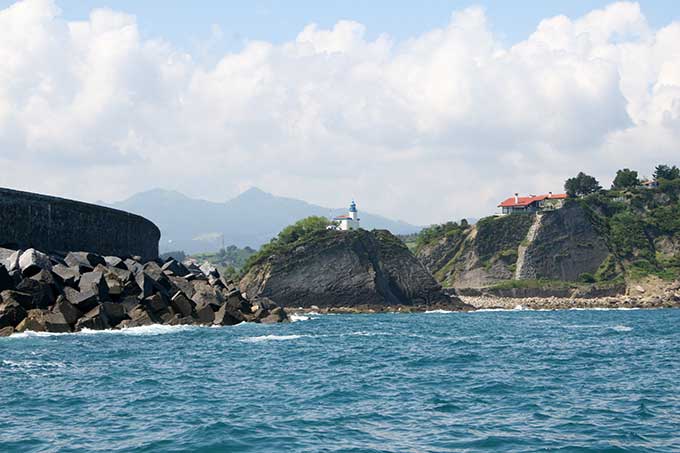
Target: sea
x,y
507,381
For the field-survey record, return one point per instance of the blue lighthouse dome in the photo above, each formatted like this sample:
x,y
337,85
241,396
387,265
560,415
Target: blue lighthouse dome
x,y
353,207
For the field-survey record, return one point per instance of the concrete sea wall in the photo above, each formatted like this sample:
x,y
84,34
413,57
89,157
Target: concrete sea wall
x,y
54,224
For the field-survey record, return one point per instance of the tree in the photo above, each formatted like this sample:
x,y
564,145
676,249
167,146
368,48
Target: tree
x,y
302,228
626,179
581,185
665,172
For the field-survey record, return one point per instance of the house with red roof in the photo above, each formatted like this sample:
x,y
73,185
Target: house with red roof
x,y
532,203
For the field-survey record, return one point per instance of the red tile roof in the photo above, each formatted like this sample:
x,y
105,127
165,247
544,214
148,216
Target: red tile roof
x,y
526,201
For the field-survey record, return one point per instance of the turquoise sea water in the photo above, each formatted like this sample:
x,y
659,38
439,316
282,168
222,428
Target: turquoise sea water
x,y
566,381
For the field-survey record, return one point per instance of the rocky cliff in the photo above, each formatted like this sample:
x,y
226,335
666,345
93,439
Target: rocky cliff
x,y
344,269
614,240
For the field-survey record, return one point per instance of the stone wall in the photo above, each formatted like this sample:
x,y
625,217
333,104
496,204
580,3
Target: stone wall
x,y
54,224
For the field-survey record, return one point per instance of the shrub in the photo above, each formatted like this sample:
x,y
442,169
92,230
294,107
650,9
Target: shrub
x,y
433,233
498,234
297,232
627,235
587,277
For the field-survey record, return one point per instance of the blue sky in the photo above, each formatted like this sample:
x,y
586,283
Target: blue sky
x,y
186,23
452,114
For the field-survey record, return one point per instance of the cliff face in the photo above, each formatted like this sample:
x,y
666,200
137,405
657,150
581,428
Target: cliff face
x,y
565,247
344,269
614,239
559,245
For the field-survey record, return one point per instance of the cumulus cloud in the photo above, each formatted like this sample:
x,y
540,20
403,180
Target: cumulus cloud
x,y
433,128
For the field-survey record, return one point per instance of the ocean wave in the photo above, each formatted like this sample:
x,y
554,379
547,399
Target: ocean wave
x,y
584,326
153,329
31,334
363,333
438,311
32,364
618,328
295,317
264,338
621,328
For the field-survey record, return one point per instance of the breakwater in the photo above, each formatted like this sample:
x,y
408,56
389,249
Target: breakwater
x,y
56,224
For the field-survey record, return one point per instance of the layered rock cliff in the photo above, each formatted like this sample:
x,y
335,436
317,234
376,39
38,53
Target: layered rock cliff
x,y
344,269
613,239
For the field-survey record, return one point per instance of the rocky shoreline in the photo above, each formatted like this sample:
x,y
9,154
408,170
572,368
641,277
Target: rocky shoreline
x,y
454,305
506,303
560,303
74,291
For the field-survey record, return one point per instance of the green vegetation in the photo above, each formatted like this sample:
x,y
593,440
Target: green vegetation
x,y
288,238
532,284
609,270
640,226
581,185
501,235
626,179
409,240
631,218
434,233
228,261
666,172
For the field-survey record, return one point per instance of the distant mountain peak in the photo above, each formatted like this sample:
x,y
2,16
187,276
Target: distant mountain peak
x,y
254,193
250,219
159,194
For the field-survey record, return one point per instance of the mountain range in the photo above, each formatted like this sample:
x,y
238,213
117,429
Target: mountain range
x,y
251,219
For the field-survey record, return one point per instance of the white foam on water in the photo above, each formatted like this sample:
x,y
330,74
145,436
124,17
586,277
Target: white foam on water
x,y
525,309
618,328
584,326
264,338
621,328
362,333
153,329
439,311
31,334
32,364
295,317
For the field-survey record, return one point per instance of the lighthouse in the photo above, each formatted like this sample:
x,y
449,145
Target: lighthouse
x,y
350,221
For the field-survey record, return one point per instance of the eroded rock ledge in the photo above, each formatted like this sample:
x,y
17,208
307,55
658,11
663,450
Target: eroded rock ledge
x,y
78,290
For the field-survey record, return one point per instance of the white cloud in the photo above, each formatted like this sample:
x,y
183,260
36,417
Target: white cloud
x,y
433,128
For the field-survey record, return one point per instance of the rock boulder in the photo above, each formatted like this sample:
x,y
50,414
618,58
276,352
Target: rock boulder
x,y
43,321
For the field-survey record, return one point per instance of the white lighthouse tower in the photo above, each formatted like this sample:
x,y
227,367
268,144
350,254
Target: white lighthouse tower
x,y
350,221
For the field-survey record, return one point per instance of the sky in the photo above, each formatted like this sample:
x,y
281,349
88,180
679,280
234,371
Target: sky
x,y
425,114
